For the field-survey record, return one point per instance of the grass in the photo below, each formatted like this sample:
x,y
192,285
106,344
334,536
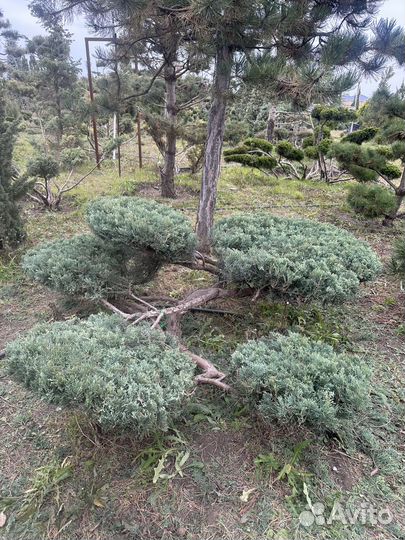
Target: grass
x,y
222,474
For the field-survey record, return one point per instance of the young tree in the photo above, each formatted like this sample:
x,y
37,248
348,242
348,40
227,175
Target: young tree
x,y
12,187
57,92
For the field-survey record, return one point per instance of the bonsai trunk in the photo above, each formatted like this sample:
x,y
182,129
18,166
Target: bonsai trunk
x,y
271,122
213,148
399,197
168,169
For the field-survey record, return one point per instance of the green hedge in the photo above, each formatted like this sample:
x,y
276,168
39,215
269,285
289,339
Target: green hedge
x,y
293,258
294,380
124,377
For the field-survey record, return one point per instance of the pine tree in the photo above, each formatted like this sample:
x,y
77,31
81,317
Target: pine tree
x,y
11,228
373,154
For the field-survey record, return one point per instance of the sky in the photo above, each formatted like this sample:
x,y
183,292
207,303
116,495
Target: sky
x,y
19,15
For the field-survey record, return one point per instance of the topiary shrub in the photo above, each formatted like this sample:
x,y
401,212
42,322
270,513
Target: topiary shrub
x,y
43,167
138,224
124,377
371,201
292,379
78,266
398,258
257,153
293,258
287,150
361,135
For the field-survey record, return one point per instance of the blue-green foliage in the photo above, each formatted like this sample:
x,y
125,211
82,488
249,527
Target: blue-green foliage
x,y
130,223
78,266
134,238
292,379
293,258
124,377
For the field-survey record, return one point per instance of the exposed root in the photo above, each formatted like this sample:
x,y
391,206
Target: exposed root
x,y
210,374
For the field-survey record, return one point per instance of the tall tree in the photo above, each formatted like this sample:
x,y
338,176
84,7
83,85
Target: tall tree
x,y
54,75
150,33
320,34
11,186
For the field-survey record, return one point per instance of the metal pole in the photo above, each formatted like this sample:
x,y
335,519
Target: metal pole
x,y
118,98
138,123
91,92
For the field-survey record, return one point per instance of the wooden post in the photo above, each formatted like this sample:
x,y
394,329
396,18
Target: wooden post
x,y
138,123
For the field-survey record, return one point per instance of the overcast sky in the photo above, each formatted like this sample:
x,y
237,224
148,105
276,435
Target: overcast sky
x,y
18,13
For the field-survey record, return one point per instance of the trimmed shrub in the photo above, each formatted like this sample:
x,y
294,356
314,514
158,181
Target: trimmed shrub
x,y
292,379
362,174
390,171
129,224
124,377
308,141
289,151
293,258
78,266
371,201
43,167
252,160
311,152
361,135
262,144
398,258
85,266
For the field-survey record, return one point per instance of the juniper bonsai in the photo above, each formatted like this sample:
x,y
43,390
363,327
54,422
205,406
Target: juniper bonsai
x,y
253,254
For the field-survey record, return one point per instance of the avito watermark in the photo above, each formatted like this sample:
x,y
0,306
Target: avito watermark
x,y
363,513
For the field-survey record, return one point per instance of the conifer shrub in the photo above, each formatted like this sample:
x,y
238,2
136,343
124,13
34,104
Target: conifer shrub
x,y
292,379
43,167
127,223
371,201
78,266
361,135
398,258
294,258
262,144
287,150
123,376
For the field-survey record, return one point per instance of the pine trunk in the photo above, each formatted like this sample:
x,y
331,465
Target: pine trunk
x,y
213,148
271,122
399,197
168,169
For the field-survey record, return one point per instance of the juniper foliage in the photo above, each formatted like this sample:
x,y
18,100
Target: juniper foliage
x,y
78,266
294,258
124,377
129,224
292,379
